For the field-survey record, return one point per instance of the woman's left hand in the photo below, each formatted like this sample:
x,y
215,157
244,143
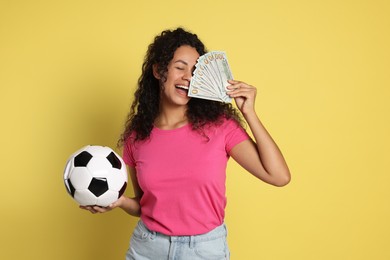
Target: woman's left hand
x,y
243,94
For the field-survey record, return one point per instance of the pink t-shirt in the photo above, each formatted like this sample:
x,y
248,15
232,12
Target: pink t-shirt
x,y
182,174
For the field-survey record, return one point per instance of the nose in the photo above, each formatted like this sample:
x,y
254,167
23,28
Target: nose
x,y
187,75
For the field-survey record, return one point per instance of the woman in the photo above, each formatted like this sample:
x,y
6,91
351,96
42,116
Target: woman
x,y
176,149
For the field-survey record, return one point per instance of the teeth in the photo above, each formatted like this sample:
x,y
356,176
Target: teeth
x,y
183,87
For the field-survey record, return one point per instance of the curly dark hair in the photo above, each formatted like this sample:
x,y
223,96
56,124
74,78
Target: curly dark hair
x,y
146,105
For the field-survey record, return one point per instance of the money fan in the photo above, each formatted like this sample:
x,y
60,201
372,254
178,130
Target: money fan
x,y
210,77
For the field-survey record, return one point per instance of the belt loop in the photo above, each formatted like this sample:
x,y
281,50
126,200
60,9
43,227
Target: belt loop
x,y
192,242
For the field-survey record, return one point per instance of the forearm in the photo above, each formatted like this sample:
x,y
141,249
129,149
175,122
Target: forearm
x,y
131,206
270,155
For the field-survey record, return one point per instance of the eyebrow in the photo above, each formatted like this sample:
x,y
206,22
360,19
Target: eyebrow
x,y
181,61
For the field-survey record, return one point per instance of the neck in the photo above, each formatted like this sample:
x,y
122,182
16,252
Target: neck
x,y
171,117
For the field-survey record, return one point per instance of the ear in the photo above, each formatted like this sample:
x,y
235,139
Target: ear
x,y
155,71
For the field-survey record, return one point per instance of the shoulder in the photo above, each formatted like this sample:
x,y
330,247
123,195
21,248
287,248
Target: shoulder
x,y
130,138
224,126
229,124
131,141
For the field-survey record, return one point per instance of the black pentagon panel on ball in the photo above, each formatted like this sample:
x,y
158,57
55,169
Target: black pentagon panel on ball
x,y
70,188
114,160
98,186
82,159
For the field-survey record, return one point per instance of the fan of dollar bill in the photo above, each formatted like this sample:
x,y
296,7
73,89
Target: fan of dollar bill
x,y
210,77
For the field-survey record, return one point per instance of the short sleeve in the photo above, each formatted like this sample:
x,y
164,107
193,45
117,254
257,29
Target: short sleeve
x,y
235,134
127,155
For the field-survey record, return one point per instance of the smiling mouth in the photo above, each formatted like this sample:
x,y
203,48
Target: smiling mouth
x,y
181,87
183,90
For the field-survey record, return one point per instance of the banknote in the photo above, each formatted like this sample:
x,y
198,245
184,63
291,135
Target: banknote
x,y
209,80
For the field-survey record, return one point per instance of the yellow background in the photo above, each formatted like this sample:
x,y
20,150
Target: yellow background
x,y
68,70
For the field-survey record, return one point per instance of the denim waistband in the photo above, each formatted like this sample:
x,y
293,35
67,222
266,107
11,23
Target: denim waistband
x,y
216,233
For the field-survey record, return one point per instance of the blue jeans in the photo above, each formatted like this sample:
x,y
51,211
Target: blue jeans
x,y
149,245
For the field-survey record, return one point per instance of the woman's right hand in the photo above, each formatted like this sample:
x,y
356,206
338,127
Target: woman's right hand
x,y
98,209
130,205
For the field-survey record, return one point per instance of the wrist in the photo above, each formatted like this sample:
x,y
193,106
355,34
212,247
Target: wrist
x,y
249,114
121,202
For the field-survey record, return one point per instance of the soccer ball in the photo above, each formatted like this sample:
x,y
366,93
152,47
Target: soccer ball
x,y
95,175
